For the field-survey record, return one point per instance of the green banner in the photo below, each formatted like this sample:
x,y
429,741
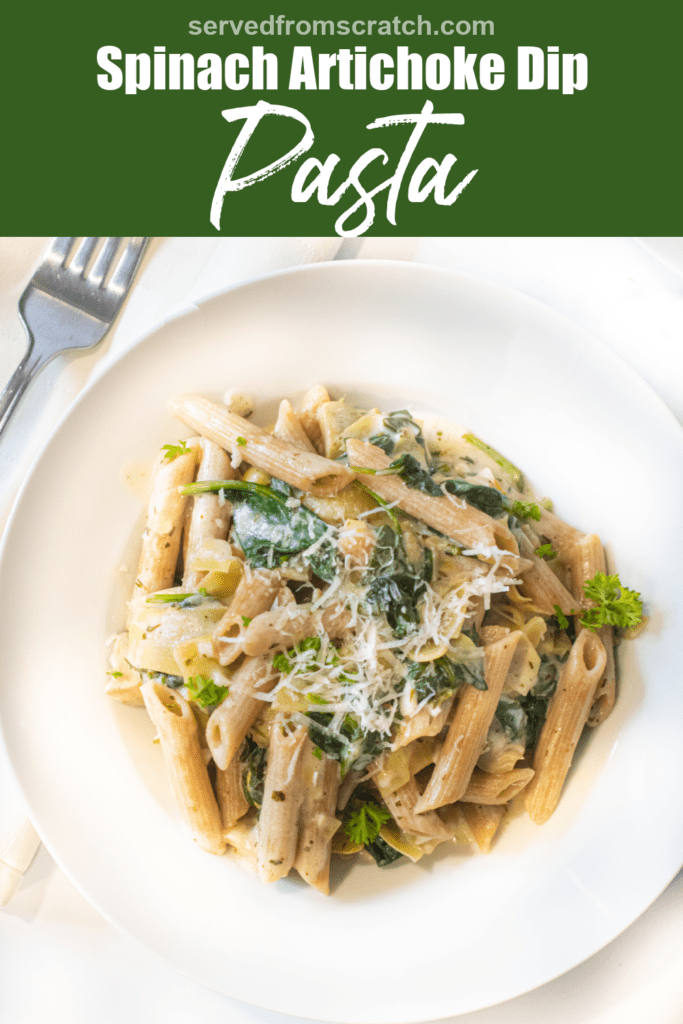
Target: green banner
x,y
480,119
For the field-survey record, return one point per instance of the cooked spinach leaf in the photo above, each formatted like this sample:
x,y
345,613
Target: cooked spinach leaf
x,y
522,717
443,676
486,499
427,570
268,530
548,675
395,588
351,746
413,475
535,709
382,852
383,441
396,424
433,678
512,718
254,773
283,489
174,682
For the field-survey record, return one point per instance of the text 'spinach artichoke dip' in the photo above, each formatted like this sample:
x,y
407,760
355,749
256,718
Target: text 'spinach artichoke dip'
x,y
359,631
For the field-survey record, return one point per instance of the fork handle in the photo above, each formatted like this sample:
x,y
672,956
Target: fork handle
x,y
21,378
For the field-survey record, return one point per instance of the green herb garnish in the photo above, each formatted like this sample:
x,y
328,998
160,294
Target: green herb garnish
x,y
546,551
205,692
525,510
172,451
242,441
363,824
562,620
615,604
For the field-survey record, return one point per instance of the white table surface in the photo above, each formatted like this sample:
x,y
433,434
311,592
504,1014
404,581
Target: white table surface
x,y
60,961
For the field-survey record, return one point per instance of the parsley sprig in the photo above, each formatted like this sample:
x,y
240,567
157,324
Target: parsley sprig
x,y
364,822
205,692
615,604
172,451
525,510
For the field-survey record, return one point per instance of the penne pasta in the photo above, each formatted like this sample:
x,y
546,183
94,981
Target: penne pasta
x,y
288,428
567,715
428,721
587,558
541,585
307,470
483,821
402,805
466,736
254,595
209,517
284,627
231,799
234,716
461,522
163,531
498,788
321,777
307,414
283,795
185,765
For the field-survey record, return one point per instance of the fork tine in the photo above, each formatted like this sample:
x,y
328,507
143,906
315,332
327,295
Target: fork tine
x,y
83,254
127,266
59,250
104,261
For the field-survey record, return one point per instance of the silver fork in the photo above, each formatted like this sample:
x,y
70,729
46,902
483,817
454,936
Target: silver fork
x,y
65,308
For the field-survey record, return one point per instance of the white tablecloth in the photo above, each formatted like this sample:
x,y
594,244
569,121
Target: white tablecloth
x,y
59,959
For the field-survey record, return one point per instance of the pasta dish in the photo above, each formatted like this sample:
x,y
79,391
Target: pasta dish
x,y
360,632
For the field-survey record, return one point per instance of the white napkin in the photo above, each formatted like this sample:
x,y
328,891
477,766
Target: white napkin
x,y
176,274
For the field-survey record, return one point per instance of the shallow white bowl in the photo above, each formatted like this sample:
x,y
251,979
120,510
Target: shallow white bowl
x,y
456,932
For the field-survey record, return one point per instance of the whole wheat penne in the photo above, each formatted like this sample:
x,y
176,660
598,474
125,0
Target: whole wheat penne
x,y
307,414
321,777
230,722
587,557
428,721
163,531
461,522
306,470
567,715
540,583
288,428
283,795
498,788
483,821
185,765
401,804
467,734
284,627
231,799
561,535
209,518
255,593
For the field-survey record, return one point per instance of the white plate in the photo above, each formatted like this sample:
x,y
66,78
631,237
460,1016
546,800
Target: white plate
x,y
456,932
